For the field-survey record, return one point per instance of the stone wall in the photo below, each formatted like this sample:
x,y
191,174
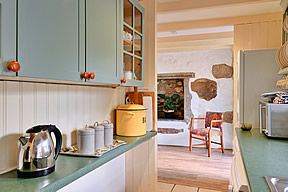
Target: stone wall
x,y
184,77
205,88
211,89
169,130
170,87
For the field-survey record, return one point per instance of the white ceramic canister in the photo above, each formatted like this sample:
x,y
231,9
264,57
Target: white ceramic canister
x,y
86,140
99,136
108,133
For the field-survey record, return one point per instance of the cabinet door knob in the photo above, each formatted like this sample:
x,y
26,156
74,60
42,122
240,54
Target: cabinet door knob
x,y
13,66
92,75
85,75
123,80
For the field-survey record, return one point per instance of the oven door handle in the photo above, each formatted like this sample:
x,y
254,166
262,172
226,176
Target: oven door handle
x,y
260,116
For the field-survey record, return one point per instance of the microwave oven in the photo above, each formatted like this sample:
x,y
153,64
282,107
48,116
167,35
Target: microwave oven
x,y
273,119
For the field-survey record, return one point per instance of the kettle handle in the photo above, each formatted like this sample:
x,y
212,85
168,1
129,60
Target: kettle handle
x,y
58,135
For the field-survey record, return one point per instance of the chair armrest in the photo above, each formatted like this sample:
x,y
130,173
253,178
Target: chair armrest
x,y
197,118
192,122
215,121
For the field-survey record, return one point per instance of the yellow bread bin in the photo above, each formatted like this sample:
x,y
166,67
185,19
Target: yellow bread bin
x,y
131,120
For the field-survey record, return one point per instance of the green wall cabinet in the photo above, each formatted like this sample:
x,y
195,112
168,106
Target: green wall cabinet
x,y
101,41
61,39
47,39
44,38
8,34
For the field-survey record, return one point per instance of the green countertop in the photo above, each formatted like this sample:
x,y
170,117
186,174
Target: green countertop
x,y
67,169
262,156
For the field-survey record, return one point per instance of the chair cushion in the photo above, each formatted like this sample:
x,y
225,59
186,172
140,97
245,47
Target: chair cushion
x,y
213,116
204,132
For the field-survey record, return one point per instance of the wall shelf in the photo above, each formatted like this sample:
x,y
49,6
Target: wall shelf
x,y
282,84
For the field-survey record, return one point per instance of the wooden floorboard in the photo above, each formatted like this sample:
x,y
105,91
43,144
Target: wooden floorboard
x,y
177,165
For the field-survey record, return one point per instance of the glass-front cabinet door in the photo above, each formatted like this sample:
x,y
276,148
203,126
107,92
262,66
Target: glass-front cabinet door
x,y
133,43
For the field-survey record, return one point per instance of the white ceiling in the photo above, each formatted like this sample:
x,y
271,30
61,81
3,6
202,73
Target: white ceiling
x,y
253,7
197,31
220,12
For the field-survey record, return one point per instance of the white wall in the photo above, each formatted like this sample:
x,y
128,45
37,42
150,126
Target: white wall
x,y
200,62
180,139
23,105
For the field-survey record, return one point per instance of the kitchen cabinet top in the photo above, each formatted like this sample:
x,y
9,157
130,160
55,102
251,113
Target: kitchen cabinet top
x,y
68,169
262,156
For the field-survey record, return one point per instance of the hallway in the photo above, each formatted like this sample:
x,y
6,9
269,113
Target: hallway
x,y
177,165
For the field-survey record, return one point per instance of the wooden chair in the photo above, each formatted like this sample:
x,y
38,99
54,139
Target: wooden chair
x,y
213,127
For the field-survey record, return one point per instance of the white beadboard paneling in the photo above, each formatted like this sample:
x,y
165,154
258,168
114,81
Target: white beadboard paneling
x,y
20,108
87,106
152,163
42,103
28,105
72,114
80,107
2,133
112,93
53,104
52,108
144,167
12,122
121,96
107,97
23,105
114,98
94,104
114,102
63,108
101,105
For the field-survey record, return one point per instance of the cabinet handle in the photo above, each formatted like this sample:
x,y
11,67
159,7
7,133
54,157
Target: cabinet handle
x,y
123,80
85,75
92,75
13,66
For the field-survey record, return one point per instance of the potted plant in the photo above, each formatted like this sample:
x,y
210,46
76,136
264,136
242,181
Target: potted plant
x,y
170,104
